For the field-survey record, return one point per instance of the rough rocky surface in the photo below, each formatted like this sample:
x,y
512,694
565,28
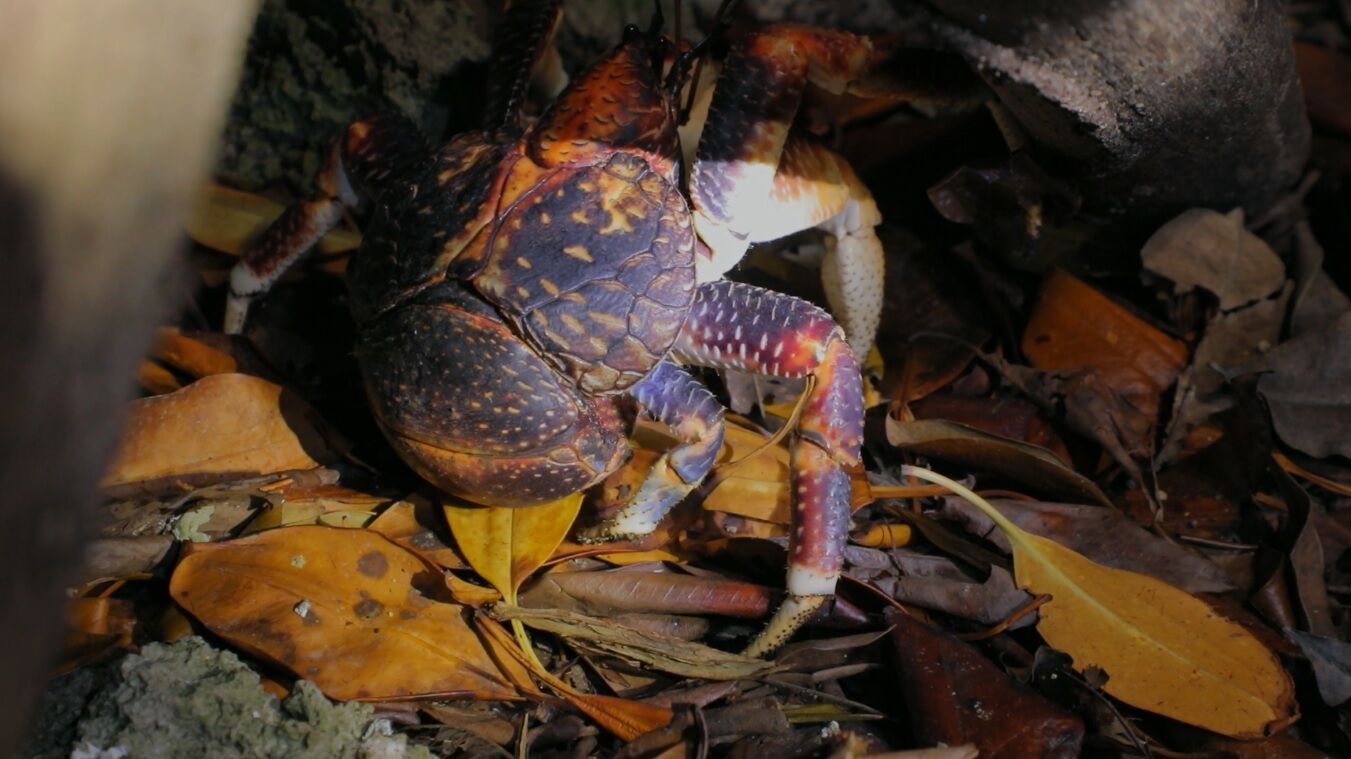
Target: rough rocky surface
x,y
189,699
314,66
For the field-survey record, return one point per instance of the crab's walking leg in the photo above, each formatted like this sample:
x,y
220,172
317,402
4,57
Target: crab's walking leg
x,y
373,150
681,402
752,181
737,326
521,44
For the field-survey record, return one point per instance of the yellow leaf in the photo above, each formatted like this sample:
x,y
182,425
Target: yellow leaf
x,y
505,545
750,480
1163,649
355,613
225,425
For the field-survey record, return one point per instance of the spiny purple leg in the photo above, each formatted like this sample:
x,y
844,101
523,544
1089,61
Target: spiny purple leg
x,y
361,164
737,326
679,401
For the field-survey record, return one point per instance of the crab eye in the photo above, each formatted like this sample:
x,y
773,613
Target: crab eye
x,y
631,32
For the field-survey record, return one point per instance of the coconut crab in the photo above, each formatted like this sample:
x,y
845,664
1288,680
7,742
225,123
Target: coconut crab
x,y
516,284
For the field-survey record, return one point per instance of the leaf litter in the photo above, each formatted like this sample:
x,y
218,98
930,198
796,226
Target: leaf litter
x,y
1150,575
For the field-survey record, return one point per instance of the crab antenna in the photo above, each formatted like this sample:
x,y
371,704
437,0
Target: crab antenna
x,y
680,71
654,28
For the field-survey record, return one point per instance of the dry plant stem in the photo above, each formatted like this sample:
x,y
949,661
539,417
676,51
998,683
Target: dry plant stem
x,y
957,488
1004,624
1291,467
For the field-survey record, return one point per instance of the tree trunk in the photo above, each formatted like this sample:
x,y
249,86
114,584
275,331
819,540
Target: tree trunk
x,y
107,124
1157,105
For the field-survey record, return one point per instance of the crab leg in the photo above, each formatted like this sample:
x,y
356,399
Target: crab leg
x,y
737,326
674,398
373,150
753,181
523,43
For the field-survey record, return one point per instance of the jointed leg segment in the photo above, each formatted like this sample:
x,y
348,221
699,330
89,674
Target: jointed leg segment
x,y
681,402
737,326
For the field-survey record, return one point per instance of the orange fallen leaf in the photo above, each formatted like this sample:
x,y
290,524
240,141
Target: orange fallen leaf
x,y
220,427
350,610
413,525
1074,327
1163,650
96,628
156,379
192,355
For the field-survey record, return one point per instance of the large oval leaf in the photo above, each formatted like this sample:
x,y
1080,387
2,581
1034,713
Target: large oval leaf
x,y
347,609
220,427
1163,649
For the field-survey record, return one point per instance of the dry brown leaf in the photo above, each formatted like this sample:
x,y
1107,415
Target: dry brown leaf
x,y
1325,74
617,591
227,220
942,679
220,427
355,613
662,652
1212,250
1309,390
1027,464
1076,327
506,545
1162,649
625,719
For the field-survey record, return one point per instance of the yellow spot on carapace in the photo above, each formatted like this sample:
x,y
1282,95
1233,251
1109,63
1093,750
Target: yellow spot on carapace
x,y
579,252
580,216
606,320
522,262
549,286
522,292
572,323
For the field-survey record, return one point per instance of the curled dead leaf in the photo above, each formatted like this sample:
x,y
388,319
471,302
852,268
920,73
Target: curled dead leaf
x,y
1027,464
227,426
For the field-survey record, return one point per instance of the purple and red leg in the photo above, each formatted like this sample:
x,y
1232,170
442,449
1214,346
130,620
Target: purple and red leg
x,y
738,326
374,152
674,398
754,180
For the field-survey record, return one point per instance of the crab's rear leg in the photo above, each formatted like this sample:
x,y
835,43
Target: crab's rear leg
x,y
674,398
737,326
373,150
753,181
